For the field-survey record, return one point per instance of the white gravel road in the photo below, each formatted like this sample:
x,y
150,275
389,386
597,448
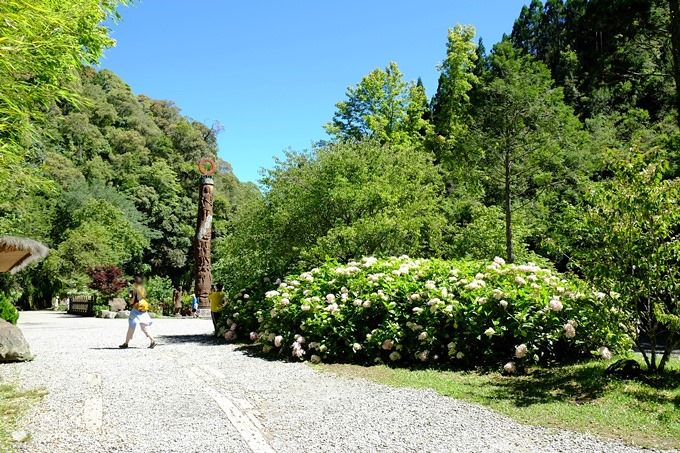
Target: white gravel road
x,y
191,394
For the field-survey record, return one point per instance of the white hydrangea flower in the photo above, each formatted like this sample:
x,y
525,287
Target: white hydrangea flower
x,y
315,359
387,345
510,368
605,353
520,281
569,330
305,307
277,341
271,294
475,284
503,303
434,301
460,355
422,336
521,351
489,332
555,304
394,356
356,347
499,260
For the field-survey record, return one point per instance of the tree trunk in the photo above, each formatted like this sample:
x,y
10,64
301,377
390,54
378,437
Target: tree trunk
x,y
508,211
670,345
674,6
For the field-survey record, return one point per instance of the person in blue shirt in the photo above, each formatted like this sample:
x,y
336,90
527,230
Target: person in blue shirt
x,y
194,304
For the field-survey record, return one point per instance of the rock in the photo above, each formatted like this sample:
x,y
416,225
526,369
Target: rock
x,y
117,304
123,314
19,436
13,345
106,314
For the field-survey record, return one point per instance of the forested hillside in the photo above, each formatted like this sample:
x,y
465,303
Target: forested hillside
x,y
118,186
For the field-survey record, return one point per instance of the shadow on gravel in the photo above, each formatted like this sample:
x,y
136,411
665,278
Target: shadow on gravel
x,y
255,352
204,339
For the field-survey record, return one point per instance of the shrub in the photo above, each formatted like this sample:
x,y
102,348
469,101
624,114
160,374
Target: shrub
x,y
108,280
8,311
159,294
628,238
400,310
341,200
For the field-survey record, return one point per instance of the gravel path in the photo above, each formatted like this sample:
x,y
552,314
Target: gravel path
x,y
193,395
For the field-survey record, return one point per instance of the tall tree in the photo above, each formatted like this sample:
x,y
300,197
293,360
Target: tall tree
x,y
674,8
451,103
526,134
381,107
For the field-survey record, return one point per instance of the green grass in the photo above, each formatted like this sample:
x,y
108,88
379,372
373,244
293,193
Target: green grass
x,y
13,403
578,397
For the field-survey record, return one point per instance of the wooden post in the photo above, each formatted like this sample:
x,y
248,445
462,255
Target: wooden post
x,y
203,237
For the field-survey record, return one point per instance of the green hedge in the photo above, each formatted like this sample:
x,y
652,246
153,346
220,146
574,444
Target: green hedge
x,y
401,310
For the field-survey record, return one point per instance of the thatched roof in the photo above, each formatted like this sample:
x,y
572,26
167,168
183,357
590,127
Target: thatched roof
x,y
17,253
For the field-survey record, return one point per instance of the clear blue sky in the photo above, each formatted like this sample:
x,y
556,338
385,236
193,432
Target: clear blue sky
x,y
272,71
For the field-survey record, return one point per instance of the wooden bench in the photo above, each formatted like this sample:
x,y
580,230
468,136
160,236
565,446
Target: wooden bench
x,y
82,305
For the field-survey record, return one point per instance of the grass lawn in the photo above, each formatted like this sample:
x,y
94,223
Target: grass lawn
x,y
13,403
578,397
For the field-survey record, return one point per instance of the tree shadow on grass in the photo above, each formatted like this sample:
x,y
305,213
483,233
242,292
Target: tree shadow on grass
x,y
577,385
204,339
580,385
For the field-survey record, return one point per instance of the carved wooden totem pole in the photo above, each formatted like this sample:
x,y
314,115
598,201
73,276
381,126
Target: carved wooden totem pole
x,y
207,168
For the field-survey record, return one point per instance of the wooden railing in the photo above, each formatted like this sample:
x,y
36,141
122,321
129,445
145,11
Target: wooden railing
x,y
82,305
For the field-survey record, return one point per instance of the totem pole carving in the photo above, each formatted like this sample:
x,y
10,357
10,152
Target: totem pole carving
x,y
203,282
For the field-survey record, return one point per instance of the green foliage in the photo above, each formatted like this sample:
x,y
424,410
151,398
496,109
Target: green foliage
x,y
451,103
37,68
159,293
382,107
627,239
340,201
610,56
8,311
528,138
406,311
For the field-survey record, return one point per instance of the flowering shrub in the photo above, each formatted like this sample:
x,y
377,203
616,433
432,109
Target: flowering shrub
x,y
401,310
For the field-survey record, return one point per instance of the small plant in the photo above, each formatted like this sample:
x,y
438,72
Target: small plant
x,y
8,311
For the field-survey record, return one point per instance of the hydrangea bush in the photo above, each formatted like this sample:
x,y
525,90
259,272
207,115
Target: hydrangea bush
x,y
403,310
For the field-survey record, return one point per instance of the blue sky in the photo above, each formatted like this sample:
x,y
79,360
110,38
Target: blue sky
x,y
272,71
